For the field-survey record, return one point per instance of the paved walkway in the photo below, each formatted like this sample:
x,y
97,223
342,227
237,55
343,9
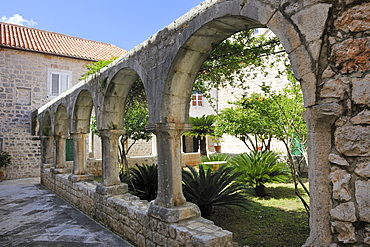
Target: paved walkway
x,y
31,215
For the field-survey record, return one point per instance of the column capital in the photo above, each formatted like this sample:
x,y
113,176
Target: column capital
x,y
166,127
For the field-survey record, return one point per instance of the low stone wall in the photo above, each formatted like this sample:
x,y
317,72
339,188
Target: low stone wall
x,y
127,216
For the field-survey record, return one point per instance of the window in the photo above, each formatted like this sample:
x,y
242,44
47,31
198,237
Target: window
x,y
59,81
197,99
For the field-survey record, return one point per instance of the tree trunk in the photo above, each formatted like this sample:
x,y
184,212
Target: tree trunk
x,y
203,146
260,190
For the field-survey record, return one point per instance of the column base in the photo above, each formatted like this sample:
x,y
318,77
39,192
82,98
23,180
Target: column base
x,y
172,215
47,165
60,170
112,190
80,178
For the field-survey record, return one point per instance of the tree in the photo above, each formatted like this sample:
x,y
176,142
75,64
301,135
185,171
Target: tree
x,y
202,127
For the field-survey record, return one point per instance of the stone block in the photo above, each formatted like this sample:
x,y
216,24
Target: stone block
x,y
175,214
346,231
344,212
336,88
353,140
363,169
112,190
361,90
80,178
341,187
338,160
316,16
355,19
363,199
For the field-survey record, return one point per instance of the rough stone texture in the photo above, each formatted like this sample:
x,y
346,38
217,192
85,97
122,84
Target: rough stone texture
x,y
336,159
353,140
23,88
335,88
344,212
340,179
355,19
363,199
363,169
128,216
361,90
361,118
352,55
346,231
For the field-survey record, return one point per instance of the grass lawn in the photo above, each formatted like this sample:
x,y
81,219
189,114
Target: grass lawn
x,y
276,220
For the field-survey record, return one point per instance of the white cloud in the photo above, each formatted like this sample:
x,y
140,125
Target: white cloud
x,y
19,20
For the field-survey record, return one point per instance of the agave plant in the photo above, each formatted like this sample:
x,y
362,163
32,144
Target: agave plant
x,y
259,168
208,188
143,181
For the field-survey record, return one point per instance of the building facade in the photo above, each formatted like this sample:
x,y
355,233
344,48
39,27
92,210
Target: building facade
x,y
35,67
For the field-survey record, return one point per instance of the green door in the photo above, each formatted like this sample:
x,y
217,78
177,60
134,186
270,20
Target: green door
x,y
69,150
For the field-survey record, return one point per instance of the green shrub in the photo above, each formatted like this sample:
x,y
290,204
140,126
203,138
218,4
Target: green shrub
x,y
258,168
208,189
215,157
5,159
143,181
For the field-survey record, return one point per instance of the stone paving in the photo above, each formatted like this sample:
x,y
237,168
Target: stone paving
x,y
31,215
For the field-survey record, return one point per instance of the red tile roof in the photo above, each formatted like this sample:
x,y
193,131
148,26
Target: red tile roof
x,y
31,39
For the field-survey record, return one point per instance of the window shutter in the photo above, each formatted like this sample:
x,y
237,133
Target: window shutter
x,y
54,84
64,82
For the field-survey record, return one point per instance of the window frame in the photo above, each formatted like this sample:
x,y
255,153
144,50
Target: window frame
x,y
61,87
195,101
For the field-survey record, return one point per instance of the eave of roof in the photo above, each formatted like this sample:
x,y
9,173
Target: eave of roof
x,y
36,40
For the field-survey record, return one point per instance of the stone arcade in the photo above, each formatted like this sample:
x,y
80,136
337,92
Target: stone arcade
x,y
329,49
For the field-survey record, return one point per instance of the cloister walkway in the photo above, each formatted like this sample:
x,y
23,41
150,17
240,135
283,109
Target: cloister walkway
x,y
32,215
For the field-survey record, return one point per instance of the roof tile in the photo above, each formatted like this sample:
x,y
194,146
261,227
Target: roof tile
x,y
31,39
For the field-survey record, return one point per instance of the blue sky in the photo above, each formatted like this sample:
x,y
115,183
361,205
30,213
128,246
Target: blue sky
x,y
124,23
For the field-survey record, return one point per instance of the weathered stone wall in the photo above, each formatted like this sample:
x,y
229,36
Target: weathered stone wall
x,y
346,82
127,216
23,89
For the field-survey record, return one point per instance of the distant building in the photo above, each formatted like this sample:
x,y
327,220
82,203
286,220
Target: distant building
x,y
35,67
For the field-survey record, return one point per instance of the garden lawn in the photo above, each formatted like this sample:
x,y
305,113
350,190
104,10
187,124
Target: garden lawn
x,y
276,220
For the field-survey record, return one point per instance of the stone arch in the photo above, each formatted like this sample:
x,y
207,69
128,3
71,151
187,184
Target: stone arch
x,y
114,99
218,22
46,126
82,109
61,121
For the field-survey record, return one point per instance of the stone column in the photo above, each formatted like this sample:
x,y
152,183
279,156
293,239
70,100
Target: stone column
x,y
170,204
60,155
79,159
320,120
111,183
47,157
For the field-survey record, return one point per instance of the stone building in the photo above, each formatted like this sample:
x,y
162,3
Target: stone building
x,y
328,45
35,67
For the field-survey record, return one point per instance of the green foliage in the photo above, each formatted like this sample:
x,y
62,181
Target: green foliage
x,y
257,118
96,66
210,189
136,119
202,126
259,168
215,157
144,181
5,159
235,59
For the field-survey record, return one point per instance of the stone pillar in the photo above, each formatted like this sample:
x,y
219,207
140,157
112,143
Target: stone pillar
x,y
60,151
79,159
111,183
170,204
320,120
47,157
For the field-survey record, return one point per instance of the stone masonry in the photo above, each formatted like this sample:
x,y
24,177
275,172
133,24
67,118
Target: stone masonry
x,y
328,46
23,89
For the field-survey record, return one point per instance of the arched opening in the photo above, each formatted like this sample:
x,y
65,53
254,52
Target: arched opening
x,y
189,59
47,140
122,121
